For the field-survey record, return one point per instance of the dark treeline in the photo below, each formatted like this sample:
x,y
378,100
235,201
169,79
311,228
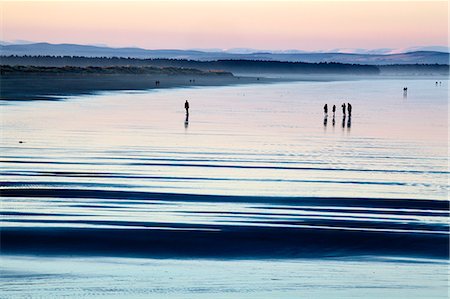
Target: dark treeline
x,y
422,69
30,69
249,66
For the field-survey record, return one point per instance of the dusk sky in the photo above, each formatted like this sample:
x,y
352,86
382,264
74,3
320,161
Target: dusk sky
x,y
304,25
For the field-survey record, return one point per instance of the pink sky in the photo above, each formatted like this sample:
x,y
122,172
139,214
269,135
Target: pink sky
x,y
306,25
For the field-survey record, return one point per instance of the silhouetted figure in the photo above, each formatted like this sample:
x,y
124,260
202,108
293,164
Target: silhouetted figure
x,y
343,109
334,121
325,110
349,108
343,121
349,122
186,106
334,110
436,83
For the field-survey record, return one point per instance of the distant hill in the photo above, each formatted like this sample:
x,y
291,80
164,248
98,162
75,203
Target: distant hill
x,y
416,57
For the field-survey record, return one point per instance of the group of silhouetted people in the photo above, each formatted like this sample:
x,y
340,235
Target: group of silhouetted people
x,y
346,108
157,83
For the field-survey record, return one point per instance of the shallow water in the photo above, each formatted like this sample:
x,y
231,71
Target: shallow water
x,y
51,277
240,140
255,173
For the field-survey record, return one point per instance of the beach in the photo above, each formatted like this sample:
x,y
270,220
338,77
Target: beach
x,y
103,277
59,86
255,195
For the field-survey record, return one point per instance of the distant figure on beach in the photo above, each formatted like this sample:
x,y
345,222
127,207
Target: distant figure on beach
x,y
157,83
325,110
186,106
436,83
334,110
343,109
349,108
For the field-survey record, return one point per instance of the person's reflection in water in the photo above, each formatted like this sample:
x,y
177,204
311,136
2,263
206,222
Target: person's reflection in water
x,y
349,123
325,121
334,121
343,121
186,121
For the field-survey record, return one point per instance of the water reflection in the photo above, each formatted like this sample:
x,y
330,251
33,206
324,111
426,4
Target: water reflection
x,y
186,121
229,133
405,92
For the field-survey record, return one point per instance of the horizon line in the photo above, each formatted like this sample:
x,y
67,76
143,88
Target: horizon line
x,y
382,51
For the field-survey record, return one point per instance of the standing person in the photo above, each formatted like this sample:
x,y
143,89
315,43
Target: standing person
x,y
186,106
343,108
325,110
334,110
349,107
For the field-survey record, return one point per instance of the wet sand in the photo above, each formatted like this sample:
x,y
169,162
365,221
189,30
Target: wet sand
x,y
58,86
105,277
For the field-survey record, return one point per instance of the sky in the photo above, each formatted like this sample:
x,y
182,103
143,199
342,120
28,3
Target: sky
x,y
271,25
